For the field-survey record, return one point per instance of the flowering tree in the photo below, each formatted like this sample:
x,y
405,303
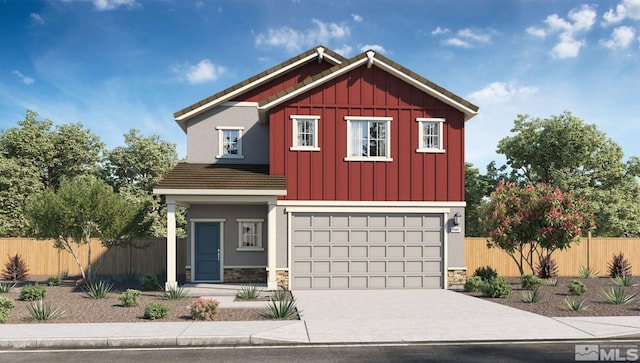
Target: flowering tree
x,y
533,221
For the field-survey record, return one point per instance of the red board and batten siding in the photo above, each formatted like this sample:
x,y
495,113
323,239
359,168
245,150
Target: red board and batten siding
x,y
411,176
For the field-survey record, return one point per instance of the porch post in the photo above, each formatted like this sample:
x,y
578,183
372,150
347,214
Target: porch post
x,y
272,284
171,246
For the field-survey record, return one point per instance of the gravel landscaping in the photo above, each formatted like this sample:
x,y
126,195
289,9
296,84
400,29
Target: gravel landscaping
x,y
81,309
553,300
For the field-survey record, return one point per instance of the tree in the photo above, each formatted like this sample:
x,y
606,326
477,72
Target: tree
x,y
34,157
83,208
476,188
134,169
564,151
531,222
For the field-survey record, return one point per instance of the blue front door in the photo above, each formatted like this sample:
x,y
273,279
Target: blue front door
x,y
207,251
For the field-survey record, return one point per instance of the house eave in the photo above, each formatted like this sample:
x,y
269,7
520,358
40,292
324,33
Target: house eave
x,y
220,192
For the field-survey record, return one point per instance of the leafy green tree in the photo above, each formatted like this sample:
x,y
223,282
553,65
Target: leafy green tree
x,y
17,183
83,208
476,188
531,222
134,170
566,152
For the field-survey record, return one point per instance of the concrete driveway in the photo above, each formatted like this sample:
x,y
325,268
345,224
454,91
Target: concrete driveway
x,y
349,316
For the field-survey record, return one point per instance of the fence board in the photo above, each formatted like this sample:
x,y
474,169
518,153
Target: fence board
x,y
45,260
594,253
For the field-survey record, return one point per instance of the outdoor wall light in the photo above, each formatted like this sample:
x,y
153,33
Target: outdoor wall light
x,y
456,219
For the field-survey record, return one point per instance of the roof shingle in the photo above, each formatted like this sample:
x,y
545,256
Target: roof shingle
x,y
222,176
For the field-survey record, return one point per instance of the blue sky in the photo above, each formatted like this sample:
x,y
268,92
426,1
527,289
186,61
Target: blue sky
x,y
119,64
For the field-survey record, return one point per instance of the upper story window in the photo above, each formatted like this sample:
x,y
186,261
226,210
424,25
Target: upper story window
x,y
305,133
229,142
430,135
368,138
250,234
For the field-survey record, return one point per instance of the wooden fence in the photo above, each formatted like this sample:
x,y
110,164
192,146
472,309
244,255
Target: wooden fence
x,y
45,260
595,253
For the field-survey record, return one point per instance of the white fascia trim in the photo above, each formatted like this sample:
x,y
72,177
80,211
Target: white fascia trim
x,y
469,113
239,104
384,210
245,88
343,203
188,200
313,84
215,192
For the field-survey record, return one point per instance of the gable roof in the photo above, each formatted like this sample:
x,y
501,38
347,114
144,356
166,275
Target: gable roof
x,y
318,53
370,58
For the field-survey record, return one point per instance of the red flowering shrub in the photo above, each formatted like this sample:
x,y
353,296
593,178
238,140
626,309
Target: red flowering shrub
x,y
531,222
204,309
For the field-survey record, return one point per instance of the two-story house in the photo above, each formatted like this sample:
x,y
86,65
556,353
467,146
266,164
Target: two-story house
x,y
323,173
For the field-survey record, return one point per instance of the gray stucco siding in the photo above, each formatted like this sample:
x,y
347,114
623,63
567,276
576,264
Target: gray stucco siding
x,y
231,214
202,135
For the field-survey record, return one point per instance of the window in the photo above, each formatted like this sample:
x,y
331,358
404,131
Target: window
x,y
305,133
430,135
229,142
250,234
368,138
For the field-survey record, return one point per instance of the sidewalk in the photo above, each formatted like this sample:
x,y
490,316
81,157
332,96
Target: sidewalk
x,y
336,318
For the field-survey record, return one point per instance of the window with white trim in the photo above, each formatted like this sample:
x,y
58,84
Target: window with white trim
x,y
430,135
305,133
229,142
250,234
368,138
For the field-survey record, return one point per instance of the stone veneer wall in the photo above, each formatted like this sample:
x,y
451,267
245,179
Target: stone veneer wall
x,y
282,278
258,275
456,278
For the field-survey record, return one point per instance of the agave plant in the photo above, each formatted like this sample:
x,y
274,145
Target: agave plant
x,y
248,292
97,289
281,306
624,280
617,295
175,293
41,311
585,272
531,297
575,305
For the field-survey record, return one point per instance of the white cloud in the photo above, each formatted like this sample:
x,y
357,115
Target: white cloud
x,y
537,32
375,47
439,30
103,5
204,71
357,18
345,50
579,20
622,37
499,92
36,19
25,79
626,9
468,38
293,40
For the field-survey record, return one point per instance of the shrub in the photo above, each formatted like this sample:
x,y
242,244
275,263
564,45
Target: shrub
x,y
41,311
617,295
64,274
175,293
32,292
280,294
496,288
553,281
585,272
530,282
575,305
6,287
531,297
576,287
473,284
619,266
149,282
624,280
486,273
6,303
249,292
155,311
129,298
97,289
15,269
4,315
281,307
548,267
54,281
204,309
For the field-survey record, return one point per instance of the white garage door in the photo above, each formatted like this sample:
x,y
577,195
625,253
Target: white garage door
x,y
367,251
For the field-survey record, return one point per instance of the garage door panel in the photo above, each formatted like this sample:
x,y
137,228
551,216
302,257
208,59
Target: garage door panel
x,y
339,251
